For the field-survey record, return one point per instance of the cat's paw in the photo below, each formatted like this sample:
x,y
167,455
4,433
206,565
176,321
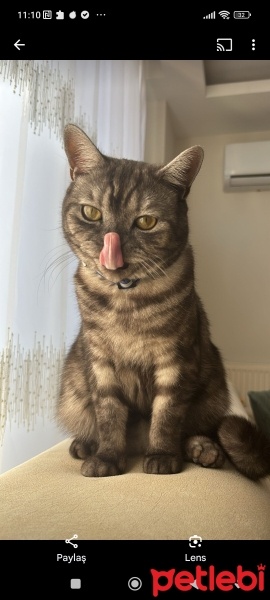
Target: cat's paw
x,y
81,450
95,466
202,450
162,464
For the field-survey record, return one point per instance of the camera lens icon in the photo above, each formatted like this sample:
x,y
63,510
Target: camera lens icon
x,y
134,584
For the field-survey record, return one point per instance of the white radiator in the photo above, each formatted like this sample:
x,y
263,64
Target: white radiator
x,y
247,377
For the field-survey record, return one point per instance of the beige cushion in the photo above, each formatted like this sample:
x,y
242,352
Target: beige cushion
x,y
48,498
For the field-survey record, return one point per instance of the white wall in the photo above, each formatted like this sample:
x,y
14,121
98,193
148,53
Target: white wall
x,y
159,138
230,234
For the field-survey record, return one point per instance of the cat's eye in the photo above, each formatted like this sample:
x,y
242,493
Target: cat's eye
x,y
91,213
146,222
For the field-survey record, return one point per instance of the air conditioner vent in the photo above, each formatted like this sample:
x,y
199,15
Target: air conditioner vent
x,y
247,167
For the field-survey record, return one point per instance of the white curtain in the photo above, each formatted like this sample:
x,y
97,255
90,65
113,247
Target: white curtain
x,y
39,316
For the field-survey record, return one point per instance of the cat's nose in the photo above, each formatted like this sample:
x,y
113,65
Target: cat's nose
x,y
111,254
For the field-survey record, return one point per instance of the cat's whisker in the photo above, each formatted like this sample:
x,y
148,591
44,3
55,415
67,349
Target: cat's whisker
x,y
56,262
49,255
70,262
162,261
65,259
157,266
148,269
154,270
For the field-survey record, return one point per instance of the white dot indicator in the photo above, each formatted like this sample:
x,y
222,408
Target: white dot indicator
x,y
134,584
253,44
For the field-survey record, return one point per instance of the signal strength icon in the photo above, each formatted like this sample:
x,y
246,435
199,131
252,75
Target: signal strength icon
x,y
211,15
224,14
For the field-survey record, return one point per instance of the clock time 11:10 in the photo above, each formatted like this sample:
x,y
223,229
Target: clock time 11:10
x,y
37,14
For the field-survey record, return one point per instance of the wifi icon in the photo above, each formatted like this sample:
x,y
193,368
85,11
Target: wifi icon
x,y
224,14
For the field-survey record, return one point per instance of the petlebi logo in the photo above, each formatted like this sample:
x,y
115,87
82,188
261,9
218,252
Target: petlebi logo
x,y
208,579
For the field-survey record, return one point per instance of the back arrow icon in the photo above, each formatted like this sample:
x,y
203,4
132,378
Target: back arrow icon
x,y
17,44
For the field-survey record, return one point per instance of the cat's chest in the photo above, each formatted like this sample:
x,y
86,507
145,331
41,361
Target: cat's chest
x,y
132,347
132,326
135,357
132,336
135,331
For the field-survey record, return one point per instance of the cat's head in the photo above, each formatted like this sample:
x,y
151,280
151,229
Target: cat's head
x,y
126,219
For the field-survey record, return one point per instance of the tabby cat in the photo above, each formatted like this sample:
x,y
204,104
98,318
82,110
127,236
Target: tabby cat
x,y
143,352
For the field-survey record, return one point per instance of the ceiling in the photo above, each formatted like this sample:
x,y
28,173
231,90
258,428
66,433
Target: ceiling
x,y
214,96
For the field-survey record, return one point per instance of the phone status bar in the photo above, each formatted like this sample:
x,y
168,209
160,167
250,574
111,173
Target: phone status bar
x,y
59,15
226,14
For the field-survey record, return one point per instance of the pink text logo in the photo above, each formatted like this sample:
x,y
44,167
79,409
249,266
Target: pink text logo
x,y
207,579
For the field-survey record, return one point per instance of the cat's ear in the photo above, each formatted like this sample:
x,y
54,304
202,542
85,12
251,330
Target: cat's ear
x,y
182,170
81,152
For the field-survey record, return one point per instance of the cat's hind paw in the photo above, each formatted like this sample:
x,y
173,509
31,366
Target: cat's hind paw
x,y
95,466
202,450
81,450
162,464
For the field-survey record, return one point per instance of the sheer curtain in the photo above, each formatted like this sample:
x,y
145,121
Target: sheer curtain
x,y
39,316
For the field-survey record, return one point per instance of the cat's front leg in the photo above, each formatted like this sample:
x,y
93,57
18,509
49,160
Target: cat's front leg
x,y
111,418
164,454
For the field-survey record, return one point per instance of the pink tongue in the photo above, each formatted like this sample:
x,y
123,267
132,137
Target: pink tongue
x,y
111,253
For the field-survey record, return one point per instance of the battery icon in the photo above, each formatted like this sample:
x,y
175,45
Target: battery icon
x,y
241,14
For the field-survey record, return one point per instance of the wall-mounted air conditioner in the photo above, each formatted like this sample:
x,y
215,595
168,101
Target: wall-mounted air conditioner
x,y
247,167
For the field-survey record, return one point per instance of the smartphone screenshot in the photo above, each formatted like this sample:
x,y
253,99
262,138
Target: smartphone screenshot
x,y
135,361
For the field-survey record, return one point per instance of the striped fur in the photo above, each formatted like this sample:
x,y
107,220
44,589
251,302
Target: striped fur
x,y
143,354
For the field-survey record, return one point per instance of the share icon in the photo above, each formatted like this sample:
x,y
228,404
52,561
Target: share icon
x,y
73,538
